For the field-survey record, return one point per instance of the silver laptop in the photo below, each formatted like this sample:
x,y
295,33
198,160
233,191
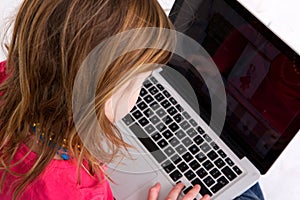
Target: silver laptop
x,y
170,125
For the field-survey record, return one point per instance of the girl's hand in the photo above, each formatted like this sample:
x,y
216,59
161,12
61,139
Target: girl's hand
x,y
175,192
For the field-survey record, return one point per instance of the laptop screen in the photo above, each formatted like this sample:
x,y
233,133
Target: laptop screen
x,y
260,72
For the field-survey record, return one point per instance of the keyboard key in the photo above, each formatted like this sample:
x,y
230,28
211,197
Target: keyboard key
x,y
203,190
162,143
194,149
166,104
201,157
178,118
208,165
173,101
229,173
143,92
176,159
168,166
174,141
214,146
237,170
193,122
144,121
201,173
185,125
221,182
189,175
137,114
153,90
200,130
182,167
194,165
208,181
229,162
175,175
142,105
167,94
221,153
215,173
147,83
159,97
192,133
128,119
167,120
161,112
180,134
149,129
179,108
154,119
205,147
139,100
169,151
148,99
187,157
167,134
216,187
187,141
160,87
156,136
161,127
174,127
154,106
219,163
186,115
172,111
153,80
198,140
134,108
180,149
212,155
148,112
207,138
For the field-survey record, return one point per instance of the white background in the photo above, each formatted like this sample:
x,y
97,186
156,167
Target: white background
x,y
282,180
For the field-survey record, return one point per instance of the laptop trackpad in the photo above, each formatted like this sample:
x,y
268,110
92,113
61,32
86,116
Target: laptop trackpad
x,y
131,177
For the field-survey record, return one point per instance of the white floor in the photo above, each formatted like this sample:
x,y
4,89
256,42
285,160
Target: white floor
x,y
282,181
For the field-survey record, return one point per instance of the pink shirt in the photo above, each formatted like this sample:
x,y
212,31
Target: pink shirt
x,y
58,181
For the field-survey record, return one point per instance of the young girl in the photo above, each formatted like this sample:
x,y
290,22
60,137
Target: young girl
x,y
41,153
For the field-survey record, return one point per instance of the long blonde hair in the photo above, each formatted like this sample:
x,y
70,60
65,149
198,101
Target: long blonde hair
x,y
50,41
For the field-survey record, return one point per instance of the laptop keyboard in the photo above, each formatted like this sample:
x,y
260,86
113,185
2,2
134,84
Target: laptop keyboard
x,y
177,142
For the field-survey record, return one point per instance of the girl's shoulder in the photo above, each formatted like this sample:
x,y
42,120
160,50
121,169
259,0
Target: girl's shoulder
x,y
59,180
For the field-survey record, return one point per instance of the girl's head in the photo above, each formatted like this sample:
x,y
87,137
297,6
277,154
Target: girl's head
x,y
50,41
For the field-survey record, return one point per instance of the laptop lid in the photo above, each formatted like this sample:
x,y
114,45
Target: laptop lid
x,y
260,72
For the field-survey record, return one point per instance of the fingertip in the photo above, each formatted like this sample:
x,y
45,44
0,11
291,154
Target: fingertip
x,y
180,183
157,185
197,187
206,197
154,191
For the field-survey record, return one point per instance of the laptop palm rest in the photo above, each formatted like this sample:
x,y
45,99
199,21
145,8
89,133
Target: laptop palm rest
x,y
134,173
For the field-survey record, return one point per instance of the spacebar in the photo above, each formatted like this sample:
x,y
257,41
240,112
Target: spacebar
x,y
148,143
